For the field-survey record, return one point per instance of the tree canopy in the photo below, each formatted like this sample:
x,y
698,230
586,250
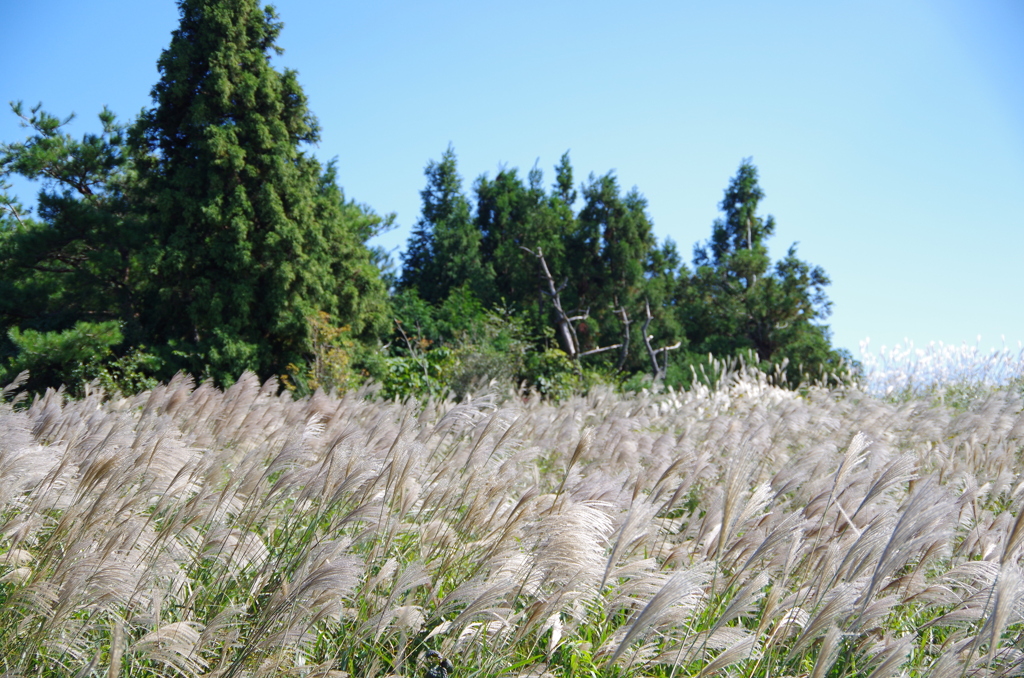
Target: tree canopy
x,y
205,237
585,281
206,230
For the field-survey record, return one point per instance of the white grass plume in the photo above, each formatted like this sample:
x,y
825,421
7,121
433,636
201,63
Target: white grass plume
x,y
680,594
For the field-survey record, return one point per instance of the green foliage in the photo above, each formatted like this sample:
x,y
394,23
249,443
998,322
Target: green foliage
x,y
79,261
552,374
252,236
419,325
454,348
211,236
207,231
496,351
444,248
196,532
737,302
626,301
420,376
329,364
79,356
130,373
70,357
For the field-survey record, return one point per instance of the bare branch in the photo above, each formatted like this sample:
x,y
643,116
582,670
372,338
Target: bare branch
x,y
583,316
565,328
659,368
624,353
405,337
8,205
600,350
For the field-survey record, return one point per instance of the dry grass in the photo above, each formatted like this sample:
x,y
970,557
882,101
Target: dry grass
x,y
744,531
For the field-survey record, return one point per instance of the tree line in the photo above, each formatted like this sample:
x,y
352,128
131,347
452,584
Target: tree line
x,y
203,237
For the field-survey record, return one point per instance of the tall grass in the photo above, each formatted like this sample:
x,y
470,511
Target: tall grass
x,y
738,530
951,373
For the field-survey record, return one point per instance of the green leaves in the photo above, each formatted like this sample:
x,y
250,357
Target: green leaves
x,y
77,356
444,249
205,231
77,261
738,303
252,236
84,167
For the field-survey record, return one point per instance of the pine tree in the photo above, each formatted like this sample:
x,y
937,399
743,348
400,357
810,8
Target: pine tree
x,y
444,249
563,187
737,303
76,261
251,234
512,215
70,278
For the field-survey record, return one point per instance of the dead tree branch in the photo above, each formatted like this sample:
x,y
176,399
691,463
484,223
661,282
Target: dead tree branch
x,y
659,368
565,328
624,353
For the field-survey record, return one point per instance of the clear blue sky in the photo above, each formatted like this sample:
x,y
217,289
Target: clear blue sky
x,y
889,135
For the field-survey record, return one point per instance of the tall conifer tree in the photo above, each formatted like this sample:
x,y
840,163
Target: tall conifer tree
x,y
251,234
736,302
444,249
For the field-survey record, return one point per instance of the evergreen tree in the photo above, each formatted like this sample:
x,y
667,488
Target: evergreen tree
x,y
628,242
77,261
70,279
737,303
583,242
251,234
563,187
610,250
444,248
512,215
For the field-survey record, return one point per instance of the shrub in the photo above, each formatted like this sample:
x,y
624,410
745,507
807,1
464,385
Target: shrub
x,y
79,356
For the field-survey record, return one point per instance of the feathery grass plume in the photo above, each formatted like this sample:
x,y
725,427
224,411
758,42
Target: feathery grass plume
x,y
738,547
634,527
700,647
474,598
1006,599
635,583
582,447
744,649
867,549
1015,539
892,656
924,519
827,652
837,604
414,575
952,662
173,646
787,532
896,472
856,454
226,510
743,602
680,594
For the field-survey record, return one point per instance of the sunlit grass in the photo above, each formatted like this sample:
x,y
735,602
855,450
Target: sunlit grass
x,y
736,530
952,374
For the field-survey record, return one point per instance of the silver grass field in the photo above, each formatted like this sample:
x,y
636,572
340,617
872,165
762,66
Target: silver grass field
x,y
741,530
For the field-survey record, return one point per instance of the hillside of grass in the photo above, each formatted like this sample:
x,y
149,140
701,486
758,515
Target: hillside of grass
x,y
740,530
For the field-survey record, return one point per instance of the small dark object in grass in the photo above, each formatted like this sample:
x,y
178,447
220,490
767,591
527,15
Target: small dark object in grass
x,y
440,668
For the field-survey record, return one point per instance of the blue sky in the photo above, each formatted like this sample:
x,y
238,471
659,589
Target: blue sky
x,y
889,136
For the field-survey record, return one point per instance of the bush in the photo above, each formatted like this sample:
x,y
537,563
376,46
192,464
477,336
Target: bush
x,y
553,374
79,356
329,366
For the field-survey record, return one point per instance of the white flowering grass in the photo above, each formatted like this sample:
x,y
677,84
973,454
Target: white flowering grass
x,y
940,369
739,530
